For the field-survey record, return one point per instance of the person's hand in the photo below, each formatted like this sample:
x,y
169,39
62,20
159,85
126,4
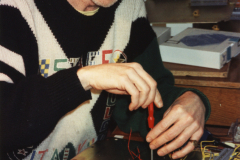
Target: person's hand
x,y
122,78
184,120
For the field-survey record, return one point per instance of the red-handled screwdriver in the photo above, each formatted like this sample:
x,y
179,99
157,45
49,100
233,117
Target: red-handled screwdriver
x,y
151,121
150,116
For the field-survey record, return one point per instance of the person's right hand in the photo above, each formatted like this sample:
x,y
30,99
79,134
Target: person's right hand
x,y
122,78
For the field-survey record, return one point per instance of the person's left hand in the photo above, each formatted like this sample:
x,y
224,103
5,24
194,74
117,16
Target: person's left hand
x,y
184,120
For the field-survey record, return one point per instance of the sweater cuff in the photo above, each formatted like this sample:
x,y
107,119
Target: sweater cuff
x,y
65,89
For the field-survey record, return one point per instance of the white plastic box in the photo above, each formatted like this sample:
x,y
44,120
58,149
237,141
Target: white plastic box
x,y
163,33
175,50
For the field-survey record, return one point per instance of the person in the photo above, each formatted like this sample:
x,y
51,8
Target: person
x,y
68,65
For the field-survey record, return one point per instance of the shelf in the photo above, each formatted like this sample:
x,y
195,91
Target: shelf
x,y
180,11
232,81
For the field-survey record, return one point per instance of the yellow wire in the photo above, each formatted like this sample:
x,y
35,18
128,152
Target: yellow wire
x,y
203,149
234,152
185,157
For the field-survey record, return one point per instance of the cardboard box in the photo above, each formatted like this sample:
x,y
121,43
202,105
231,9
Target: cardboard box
x,y
201,47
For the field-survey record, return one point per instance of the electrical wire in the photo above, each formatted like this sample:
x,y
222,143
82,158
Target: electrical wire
x,y
133,155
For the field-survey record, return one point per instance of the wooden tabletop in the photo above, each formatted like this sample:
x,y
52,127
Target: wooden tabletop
x,y
231,81
187,70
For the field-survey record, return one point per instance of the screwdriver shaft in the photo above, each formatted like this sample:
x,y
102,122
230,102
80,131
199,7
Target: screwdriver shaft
x,y
151,121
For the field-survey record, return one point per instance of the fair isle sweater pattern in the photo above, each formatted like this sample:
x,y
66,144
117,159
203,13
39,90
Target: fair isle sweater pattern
x,y
53,46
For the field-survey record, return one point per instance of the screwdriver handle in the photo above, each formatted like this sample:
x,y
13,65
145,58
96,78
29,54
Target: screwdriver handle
x,y
150,116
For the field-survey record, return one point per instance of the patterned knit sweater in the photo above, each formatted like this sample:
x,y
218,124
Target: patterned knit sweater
x,y
45,112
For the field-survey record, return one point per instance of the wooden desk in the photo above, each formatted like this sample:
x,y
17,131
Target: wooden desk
x,y
223,93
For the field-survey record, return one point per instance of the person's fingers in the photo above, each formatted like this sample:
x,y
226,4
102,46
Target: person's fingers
x,y
184,119
153,94
158,99
113,77
141,85
163,125
179,139
116,91
132,90
199,130
190,145
171,134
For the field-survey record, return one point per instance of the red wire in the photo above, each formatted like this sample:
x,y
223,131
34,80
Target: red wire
x,y
131,152
138,153
129,143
